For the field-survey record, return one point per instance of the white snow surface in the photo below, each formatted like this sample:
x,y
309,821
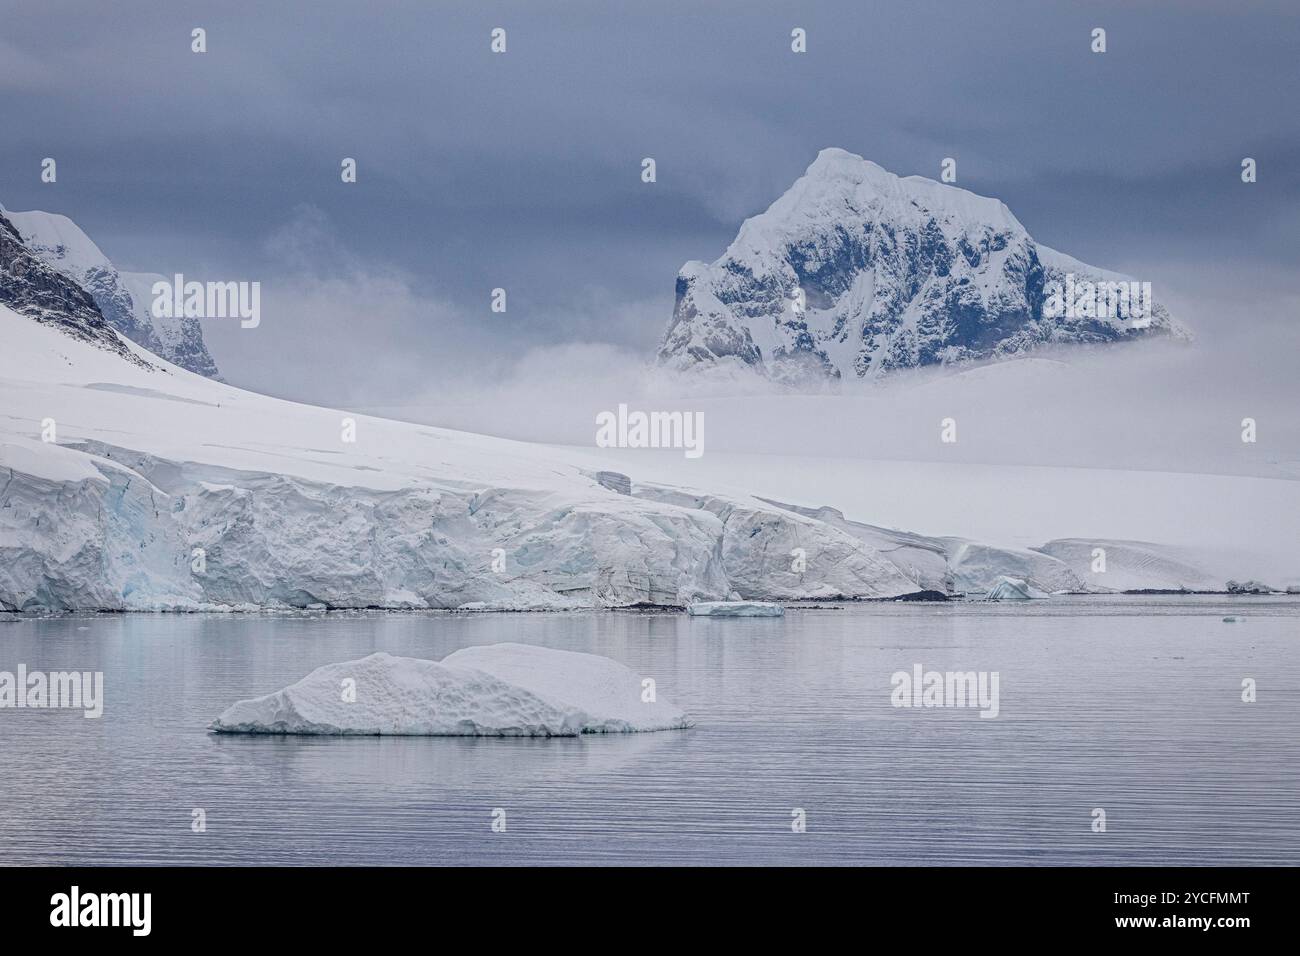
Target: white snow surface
x,y
59,241
1142,565
496,690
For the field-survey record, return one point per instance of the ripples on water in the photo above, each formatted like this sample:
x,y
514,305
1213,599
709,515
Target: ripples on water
x,y
1132,704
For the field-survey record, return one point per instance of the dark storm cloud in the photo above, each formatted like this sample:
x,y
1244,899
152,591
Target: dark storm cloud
x,y
522,170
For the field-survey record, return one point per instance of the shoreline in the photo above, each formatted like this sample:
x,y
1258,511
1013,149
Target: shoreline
x,y
822,604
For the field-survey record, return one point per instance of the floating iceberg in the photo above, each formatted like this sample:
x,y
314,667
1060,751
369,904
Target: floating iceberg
x,y
498,690
735,609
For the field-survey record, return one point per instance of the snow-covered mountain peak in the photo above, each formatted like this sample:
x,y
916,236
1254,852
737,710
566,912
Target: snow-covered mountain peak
x,y
41,294
840,185
865,179
123,298
855,272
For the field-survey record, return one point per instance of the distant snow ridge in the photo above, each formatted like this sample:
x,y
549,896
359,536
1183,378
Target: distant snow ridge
x,y
856,272
124,298
497,690
952,565
1138,565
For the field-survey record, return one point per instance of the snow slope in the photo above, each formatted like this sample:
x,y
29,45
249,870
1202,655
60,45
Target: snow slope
x,y
1140,565
855,272
497,690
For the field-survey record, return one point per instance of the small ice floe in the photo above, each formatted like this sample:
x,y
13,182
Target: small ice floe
x,y
1011,589
496,690
735,609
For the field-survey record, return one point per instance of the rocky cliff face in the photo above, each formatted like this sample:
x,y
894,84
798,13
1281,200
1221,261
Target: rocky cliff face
x,y
33,289
856,272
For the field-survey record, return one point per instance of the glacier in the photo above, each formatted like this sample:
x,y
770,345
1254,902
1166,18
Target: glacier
x,y
169,491
495,690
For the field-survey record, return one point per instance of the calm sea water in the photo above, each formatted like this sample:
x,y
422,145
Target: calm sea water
x,y
1129,704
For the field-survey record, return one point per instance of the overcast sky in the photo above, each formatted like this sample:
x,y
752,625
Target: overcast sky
x,y
522,170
